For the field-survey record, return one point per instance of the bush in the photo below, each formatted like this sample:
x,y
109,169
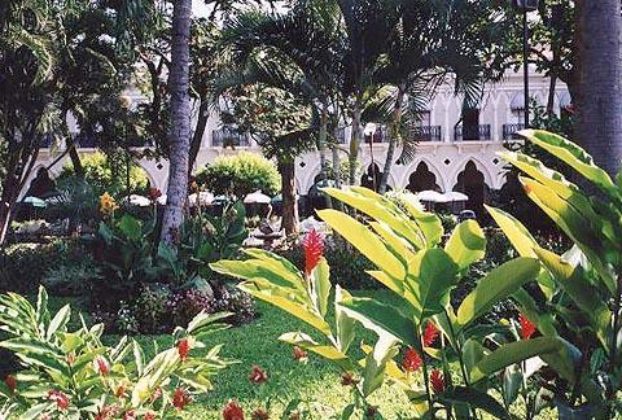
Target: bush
x,y
73,277
240,174
108,174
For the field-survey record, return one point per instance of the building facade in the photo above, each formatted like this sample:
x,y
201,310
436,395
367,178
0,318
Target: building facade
x,y
456,151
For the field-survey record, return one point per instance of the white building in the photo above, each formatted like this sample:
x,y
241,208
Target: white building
x,y
446,151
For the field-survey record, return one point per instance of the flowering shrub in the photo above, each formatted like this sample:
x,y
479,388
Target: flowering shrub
x,y
71,374
404,245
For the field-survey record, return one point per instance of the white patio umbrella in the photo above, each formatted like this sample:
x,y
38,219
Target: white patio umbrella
x,y
162,200
431,196
35,202
257,198
137,200
203,198
452,196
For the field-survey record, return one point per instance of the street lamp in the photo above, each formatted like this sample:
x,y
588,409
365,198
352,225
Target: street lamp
x,y
526,6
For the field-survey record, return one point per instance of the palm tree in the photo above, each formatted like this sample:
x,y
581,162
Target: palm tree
x,y
599,103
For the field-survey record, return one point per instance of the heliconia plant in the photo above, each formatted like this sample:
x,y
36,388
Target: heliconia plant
x,y
406,246
581,291
72,375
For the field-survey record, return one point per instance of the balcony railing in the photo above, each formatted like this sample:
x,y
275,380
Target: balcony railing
x,y
472,132
229,137
510,130
426,133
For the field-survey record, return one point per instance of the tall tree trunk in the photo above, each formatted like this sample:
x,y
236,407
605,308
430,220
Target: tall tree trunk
x,y
336,161
76,162
10,191
287,169
355,141
322,150
177,192
550,103
199,131
599,106
394,138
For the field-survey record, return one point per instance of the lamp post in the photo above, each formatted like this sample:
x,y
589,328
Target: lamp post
x,y
526,6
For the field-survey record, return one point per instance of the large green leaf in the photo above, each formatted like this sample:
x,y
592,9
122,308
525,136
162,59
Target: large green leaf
x,y
467,244
363,239
306,342
573,155
431,274
376,363
252,269
381,318
131,227
509,354
476,399
499,284
344,324
320,282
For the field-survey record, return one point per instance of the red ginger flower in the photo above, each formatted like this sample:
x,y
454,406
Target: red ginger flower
x,y
129,415
149,416
107,412
10,382
260,414
347,379
527,328
102,366
183,348
181,398
258,375
412,361
430,334
313,245
299,354
232,411
437,381
154,194
61,400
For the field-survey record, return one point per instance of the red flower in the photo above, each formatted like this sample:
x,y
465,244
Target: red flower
x,y
61,400
102,366
156,394
154,194
107,412
149,416
430,334
260,414
527,328
412,361
129,415
300,354
313,245
437,381
120,393
11,382
347,379
258,375
181,398
232,411
183,348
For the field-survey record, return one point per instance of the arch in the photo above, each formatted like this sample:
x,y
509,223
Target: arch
x,y
471,181
489,179
422,179
371,177
408,171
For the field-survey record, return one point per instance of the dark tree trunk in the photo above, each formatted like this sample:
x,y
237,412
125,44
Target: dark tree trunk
x,y
179,139
355,141
288,192
599,102
394,139
199,131
78,169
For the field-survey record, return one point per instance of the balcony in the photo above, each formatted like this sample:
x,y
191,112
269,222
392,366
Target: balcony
x,y
426,133
510,130
229,137
472,133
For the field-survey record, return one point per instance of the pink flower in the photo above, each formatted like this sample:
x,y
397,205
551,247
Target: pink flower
x,y
313,245
430,334
232,411
61,400
437,381
527,328
412,361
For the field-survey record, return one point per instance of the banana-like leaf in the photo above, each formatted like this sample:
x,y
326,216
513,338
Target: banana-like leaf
x,y
499,284
467,244
329,353
260,268
363,239
320,282
476,399
343,323
376,362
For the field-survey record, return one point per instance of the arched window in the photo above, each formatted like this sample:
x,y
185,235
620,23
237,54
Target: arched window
x,y
422,179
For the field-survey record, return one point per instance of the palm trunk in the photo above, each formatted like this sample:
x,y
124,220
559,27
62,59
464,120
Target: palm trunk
x,y
355,141
322,141
177,192
336,162
199,131
599,125
78,169
10,191
394,139
287,170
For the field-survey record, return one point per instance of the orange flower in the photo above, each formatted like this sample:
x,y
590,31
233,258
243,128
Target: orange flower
x,y
527,328
412,361
313,245
107,204
181,398
258,375
183,348
11,382
300,354
232,411
430,334
61,400
437,381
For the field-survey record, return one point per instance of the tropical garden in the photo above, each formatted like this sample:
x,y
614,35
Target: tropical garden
x,y
122,301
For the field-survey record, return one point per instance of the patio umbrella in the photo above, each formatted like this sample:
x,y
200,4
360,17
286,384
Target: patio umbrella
x,y
257,198
162,200
452,196
35,202
431,196
204,199
137,200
